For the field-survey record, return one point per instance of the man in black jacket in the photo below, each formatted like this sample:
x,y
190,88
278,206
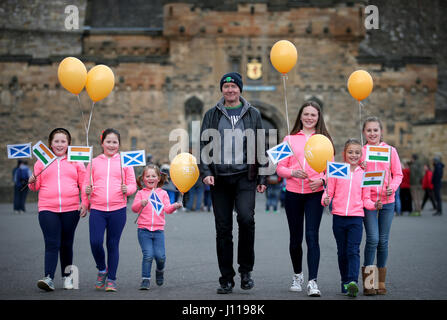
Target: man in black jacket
x,y
229,165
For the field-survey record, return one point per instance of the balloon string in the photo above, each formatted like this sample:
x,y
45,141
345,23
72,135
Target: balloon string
x,y
360,122
284,77
82,116
89,120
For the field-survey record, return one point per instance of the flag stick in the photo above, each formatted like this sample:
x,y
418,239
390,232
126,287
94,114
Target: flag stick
x,y
360,122
26,185
141,210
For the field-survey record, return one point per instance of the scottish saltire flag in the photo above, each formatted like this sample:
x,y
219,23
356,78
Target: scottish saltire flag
x,y
373,179
79,154
338,170
17,151
280,152
378,153
133,158
156,203
43,153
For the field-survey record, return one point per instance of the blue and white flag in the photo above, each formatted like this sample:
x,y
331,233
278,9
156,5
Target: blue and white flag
x,y
280,152
156,203
17,151
133,158
338,170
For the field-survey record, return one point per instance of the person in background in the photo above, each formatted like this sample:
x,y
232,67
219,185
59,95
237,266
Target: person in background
x,y
273,192
207,198
169,186
195,193
437,183
405,191
416,175
20,176
427,186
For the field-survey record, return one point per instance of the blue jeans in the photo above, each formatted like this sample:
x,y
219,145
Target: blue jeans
x,y
153,246
196,192
377,227
397,202
348,234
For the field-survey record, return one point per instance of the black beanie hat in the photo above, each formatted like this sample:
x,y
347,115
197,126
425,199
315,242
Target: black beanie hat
x,y
232,77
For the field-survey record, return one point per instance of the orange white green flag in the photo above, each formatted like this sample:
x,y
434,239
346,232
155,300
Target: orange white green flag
x,y
43,153
373,178
79,153
378,153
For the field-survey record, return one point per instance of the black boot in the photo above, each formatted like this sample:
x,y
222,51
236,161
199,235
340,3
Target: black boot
x,y
246,281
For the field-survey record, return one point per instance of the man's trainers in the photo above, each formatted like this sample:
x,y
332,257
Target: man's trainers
x,y
68,283
247,282
46,284
297,282
312,289
110,285
101,280
225,288
159,277
352,289
145,284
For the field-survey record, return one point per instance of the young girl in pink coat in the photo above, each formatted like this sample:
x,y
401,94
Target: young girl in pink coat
x,y
151,224
59,207
105,190
348,200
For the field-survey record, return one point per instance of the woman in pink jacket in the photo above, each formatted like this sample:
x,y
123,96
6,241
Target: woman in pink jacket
x,y
59,207
151,222
106,187
378,222
348,200
304,188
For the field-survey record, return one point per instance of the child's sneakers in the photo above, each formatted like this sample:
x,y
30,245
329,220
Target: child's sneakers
x,y
145,284
159,277
312,289
68,283
101,280
297,282
352,289
46,284
111,285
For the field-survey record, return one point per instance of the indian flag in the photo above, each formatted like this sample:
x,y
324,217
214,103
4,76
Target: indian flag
x,y
80,154
373,178
43,153
378,154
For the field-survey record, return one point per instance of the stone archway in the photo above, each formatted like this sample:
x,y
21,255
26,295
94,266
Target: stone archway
x,y
272,118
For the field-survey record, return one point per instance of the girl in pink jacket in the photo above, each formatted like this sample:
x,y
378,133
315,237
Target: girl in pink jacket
x,y
378,222
59,207
151,203
348,200
105,190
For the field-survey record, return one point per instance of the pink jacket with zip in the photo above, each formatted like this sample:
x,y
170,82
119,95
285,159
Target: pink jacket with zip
x,y
348,196
396,174
58,185
106,180
148,218
285,167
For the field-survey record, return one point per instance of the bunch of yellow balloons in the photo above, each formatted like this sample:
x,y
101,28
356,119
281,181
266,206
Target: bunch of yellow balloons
x,y
73,76
184,171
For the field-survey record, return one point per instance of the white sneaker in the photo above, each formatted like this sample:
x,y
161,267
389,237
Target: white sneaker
x,y
312,289
297,282
68,283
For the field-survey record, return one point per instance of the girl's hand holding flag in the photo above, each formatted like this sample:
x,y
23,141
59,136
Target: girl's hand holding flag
x,y
144,202
327,200
378,204
123,188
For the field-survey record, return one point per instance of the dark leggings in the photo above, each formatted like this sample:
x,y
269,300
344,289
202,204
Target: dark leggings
x,y
58,231
297,207
114,222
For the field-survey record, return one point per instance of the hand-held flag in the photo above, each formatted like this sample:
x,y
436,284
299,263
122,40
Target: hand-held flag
x,y
43,153
338,170
280,152
133,158
156,203
17,151
373,178
79,153
378,153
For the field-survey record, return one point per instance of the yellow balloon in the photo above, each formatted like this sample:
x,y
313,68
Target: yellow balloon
x,y
184,171
283,56
317,150
360,84
72,74
100,82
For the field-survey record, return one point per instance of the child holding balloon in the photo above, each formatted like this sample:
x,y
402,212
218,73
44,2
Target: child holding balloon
x,y
151,222
105,189
378,222
348,200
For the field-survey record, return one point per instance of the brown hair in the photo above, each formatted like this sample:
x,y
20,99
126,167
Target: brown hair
x,y
373,119
108,131
59,130
320,127
163,177
348,143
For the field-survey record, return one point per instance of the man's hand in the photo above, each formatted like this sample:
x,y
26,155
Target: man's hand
x,y
209,180
261,188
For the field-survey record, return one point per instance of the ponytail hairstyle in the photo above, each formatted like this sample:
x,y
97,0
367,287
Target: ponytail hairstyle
x,y
373,119
348,143
163,176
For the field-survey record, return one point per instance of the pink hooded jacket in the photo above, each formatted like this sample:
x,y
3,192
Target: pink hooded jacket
x,y
58,185
148,218
285,167
348,196
106,180
396,174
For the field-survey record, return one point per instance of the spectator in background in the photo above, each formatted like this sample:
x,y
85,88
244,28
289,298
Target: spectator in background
x,y
207,198
169,186
416,175
273,192
398,208
20,176
437,181
195,193
427,186
405,191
